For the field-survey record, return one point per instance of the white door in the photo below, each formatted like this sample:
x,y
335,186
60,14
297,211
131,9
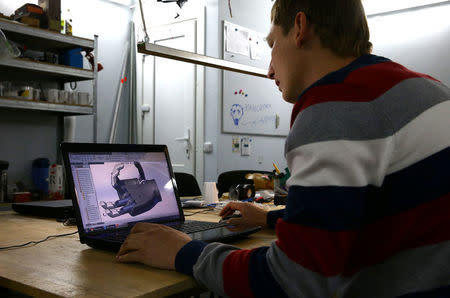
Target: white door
x,y
175,96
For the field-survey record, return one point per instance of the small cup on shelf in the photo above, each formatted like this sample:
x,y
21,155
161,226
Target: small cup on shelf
x,y
37,94
73,97
63,96
84,98
52,95
26,92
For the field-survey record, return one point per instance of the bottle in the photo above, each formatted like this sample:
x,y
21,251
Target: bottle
x,y
3,180
39,175
66,22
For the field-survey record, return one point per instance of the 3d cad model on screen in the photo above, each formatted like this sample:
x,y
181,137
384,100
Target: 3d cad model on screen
x,y
136,195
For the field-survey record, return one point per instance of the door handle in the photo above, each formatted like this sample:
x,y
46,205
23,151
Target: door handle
x,y
187,139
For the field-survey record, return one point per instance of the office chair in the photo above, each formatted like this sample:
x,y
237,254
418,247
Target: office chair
x,y
187,185
233,178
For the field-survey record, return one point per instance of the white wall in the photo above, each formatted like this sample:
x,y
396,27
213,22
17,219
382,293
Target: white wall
x,y
255,15
111,22
417,38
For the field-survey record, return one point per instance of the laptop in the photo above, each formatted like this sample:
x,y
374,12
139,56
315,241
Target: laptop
x,y
114,186
60,209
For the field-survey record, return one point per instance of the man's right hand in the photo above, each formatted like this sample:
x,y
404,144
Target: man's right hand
x,y
251,216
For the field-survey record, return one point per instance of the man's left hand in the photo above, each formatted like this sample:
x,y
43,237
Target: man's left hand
x,y
152,244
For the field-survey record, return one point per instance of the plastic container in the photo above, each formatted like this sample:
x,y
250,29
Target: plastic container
x,y
72,58
39,175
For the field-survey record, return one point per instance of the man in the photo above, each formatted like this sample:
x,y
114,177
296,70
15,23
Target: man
x,y
369,194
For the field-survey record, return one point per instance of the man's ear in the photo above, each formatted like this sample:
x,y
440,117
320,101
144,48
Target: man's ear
x,y
301,27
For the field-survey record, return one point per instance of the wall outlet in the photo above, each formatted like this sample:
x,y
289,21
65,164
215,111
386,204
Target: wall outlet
x,y
260,159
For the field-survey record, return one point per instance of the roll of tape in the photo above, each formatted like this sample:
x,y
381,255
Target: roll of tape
x,y
242,192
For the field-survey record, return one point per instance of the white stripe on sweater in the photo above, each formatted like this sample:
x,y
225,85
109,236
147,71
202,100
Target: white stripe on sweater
x,y
360,163
340,163
429,133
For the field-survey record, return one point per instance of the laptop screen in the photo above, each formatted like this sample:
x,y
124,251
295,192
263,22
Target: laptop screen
x,y
116,188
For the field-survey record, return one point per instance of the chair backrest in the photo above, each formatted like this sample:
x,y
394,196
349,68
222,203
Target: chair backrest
x,y
187,185
233,178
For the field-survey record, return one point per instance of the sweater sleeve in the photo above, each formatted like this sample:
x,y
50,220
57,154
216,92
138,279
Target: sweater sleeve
x,y
273,216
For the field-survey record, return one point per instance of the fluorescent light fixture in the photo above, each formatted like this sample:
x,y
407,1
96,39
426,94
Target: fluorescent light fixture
x,y
372,7
148,48
175,54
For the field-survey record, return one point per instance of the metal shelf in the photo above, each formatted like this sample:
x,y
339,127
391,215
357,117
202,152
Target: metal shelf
x,y
24,67
41,39
67,110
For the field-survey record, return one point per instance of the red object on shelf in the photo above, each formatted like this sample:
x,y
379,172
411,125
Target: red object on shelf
x,y
90,58
20,197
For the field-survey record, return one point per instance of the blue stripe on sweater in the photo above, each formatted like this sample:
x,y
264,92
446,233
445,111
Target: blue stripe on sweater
x,y
188,255
346,208
443,292
261,280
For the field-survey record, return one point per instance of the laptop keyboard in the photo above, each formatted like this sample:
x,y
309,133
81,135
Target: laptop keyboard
x,y
187,227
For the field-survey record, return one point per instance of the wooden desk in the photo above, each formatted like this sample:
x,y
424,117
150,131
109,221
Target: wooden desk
x,y
65,267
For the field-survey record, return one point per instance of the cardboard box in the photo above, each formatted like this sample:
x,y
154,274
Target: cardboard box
x,y
52,8
54,25
30,21
27,9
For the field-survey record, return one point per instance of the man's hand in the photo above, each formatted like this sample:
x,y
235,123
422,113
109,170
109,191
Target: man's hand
x,y
152,244
251,216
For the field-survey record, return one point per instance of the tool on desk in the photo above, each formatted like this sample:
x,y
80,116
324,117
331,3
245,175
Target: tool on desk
x,y
242,192
98,191
276,168
279,186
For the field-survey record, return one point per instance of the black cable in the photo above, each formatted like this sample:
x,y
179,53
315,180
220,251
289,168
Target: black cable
x,y
37,242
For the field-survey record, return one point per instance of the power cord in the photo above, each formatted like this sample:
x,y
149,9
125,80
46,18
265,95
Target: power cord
x,y
37,242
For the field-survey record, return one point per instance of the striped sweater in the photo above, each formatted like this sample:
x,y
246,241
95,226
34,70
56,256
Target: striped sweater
x,y
368,211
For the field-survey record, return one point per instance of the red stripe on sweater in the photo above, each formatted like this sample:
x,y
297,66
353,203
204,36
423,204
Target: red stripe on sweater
x,y
362,85
236,282
347,252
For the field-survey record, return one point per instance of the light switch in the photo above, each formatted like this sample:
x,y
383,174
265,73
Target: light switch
x,y
245,146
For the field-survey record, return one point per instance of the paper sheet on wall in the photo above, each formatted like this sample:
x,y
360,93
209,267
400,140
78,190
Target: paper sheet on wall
x,y
237,41
256,47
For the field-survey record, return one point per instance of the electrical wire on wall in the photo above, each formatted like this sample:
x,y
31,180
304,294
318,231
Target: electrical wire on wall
x,y
229,7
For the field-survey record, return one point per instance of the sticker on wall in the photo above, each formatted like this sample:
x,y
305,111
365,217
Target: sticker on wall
x,y
235,144
240,92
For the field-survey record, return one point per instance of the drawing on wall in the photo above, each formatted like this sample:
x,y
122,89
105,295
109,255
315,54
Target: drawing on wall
x,y
250,104
236,112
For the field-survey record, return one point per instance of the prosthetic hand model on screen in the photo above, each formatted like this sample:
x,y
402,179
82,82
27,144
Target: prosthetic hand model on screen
x,y
136,195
